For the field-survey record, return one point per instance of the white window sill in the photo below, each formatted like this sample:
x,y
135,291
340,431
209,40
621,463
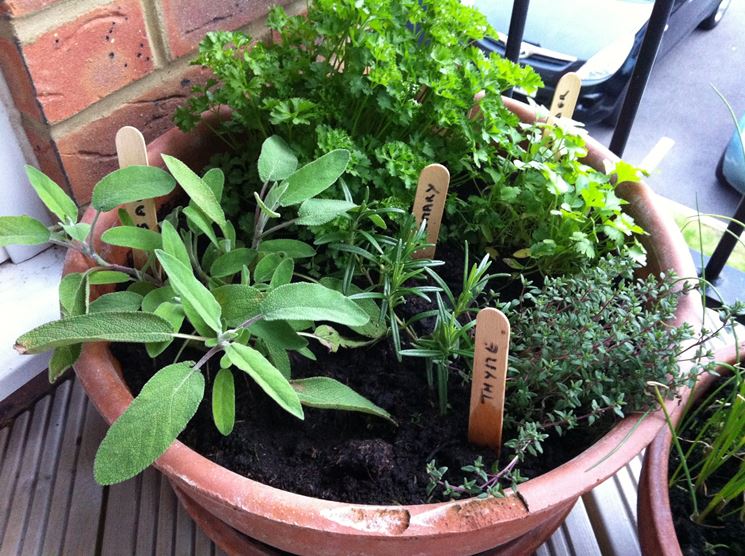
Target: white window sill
x,y
28,298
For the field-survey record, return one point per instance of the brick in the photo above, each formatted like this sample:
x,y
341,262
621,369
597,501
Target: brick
x,y
186,21
88,153
84,60
46,153
18,79
18,8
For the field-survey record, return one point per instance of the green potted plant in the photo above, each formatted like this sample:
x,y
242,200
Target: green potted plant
x,y
691,486
565,215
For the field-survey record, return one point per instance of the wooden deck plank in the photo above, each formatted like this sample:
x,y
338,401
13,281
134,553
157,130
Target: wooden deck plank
x,y
203,546
11,465
607,509
39,511
184,542
87,497
22,497
579,532
147,513
59,506
166,520
120,528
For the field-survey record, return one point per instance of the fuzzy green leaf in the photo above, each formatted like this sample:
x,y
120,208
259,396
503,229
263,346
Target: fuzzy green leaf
x,y
223,401
62,359
133,237
267,376
77,232
276,161
264,269
199,222
327,393
173,244
192,290
232,262
215,180
95,327
150,424
196,189
72,294
52,195
293,248
279,333
107,277
315,177
303,301
116,302
376,327
239,302
154,298
22,230
283,273
174,314
315,212
131,184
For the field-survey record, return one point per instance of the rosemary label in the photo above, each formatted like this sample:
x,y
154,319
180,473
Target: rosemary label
x,y
429,203
489,377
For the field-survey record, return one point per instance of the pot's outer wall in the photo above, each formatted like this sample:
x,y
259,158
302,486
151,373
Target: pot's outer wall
x,y
311,526
656,529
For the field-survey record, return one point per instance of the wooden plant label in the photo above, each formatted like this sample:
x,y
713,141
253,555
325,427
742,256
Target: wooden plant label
x,y
489,378
131,151
429,203
566,95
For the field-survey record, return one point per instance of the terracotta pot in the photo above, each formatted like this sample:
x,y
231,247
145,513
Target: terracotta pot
x,y
656,530
304,525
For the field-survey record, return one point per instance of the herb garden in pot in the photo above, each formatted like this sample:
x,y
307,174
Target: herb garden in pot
x,y
292,324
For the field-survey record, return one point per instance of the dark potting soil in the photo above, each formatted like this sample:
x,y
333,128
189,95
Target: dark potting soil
x,y
346,456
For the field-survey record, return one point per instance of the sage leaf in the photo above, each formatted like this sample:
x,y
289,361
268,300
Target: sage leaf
x,y
315,177
279,333
197,190
77,232
62,359
173,244
150,424
116,302
72,294
267,376
198,222
223,401
174,314
276,161
331,338
133,237
326,393
99,277
265,207
154,298
192,290
95,327
215,180
232,262
279,359
131,184
264,269
303,300
22,230
239,303
376,327
293,248
52,195
283,273
315,212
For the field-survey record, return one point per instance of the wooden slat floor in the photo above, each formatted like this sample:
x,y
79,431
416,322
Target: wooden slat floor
x,y
50,505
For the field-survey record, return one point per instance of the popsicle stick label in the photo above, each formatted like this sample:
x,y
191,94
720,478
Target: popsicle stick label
x,y
491,347
566,95
429,203
131,151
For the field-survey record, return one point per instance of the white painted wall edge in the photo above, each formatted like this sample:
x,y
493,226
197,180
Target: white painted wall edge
x,y
28,298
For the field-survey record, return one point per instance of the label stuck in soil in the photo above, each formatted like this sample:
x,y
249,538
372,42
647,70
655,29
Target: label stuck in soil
x,y
489,376
566,95
131,151
431,193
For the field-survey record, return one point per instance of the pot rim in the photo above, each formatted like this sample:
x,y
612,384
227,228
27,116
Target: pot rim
x,y
100,375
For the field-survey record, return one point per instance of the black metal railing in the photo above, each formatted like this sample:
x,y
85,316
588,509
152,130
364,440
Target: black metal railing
x,y
632,99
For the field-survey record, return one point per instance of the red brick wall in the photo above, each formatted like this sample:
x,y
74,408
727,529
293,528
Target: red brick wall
x,y
81,69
